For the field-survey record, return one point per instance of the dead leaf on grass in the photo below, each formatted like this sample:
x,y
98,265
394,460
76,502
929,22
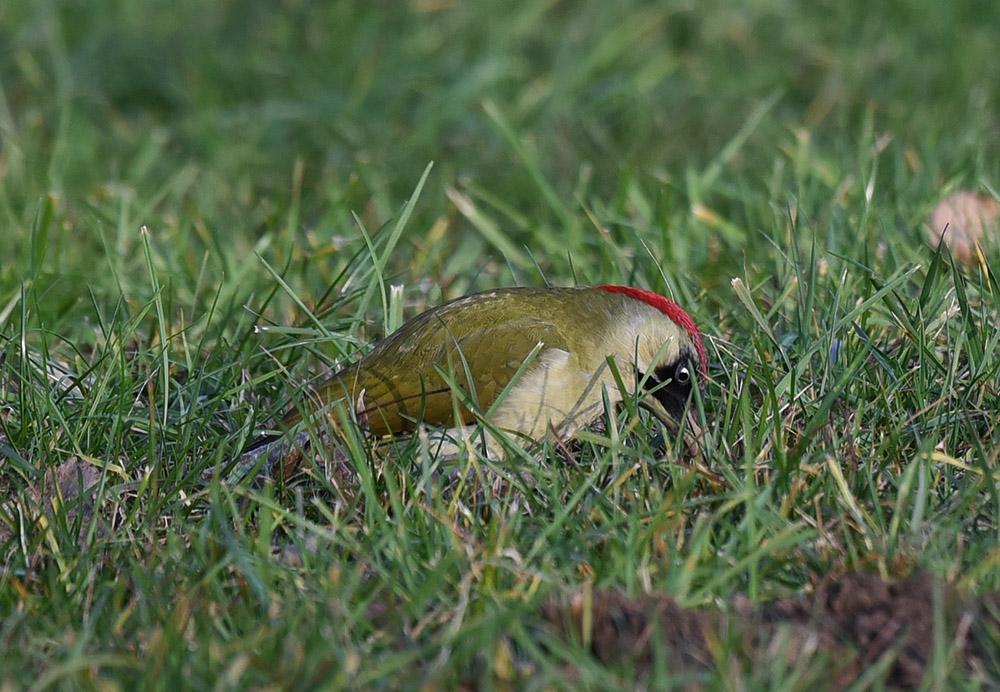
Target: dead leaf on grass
x,y
66,487
965,220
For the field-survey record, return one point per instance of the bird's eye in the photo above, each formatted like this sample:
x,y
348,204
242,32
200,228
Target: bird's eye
x,y
682,375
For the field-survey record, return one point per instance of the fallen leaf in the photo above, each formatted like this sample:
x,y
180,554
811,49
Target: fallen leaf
x,y
964,220
66,487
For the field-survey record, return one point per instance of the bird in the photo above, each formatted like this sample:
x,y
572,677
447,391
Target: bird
x,y
528,361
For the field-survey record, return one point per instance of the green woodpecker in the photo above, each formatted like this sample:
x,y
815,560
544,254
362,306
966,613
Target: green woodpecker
x,y
532,360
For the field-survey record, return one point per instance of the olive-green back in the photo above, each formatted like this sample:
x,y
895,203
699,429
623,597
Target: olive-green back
x,y
488,334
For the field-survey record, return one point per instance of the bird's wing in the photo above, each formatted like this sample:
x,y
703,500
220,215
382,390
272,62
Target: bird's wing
x,y
403,380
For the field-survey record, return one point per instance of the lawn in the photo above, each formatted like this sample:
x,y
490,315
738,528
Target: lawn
x,y
206,207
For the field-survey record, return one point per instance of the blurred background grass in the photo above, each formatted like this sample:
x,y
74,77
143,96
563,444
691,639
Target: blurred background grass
x,y
673,145
221,124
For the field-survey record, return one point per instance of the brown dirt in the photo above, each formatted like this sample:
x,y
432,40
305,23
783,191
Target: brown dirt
x,y
838,632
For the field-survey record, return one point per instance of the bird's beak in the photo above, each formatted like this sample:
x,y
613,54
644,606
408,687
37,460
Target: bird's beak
x,y
685,424
675,423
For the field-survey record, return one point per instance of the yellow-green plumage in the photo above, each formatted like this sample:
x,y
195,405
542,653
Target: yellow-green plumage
x,y
568,334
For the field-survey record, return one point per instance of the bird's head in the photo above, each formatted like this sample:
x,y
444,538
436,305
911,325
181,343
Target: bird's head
x,y
665,347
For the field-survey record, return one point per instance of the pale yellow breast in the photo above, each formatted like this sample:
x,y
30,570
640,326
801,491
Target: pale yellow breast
x,y
566,391
555,391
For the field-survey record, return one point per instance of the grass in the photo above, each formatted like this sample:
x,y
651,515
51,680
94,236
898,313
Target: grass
x,y
770,166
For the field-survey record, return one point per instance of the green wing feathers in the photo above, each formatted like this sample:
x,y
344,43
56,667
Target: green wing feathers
x,y
401,380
